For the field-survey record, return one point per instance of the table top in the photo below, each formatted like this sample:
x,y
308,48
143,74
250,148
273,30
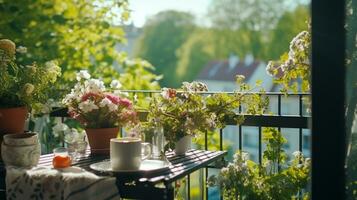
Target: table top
x,y
181,165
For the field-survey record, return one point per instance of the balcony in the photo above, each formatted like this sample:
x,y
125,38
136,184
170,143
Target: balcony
x,y
287,113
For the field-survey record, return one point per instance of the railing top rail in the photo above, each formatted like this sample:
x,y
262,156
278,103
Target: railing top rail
x,y
219,92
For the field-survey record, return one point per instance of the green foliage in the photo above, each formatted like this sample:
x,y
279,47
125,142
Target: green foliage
x,y
163,34
79,34
275,179
194,54
27,84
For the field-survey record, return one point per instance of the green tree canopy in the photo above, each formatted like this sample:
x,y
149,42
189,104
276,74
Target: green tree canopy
x,y
163,34
289,25
79,34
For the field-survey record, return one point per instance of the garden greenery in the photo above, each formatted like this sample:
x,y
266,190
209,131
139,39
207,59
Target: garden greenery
x,y
24,84
275,179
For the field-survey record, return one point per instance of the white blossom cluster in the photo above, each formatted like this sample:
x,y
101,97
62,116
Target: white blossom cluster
x,y
194,87
298,55
71,135
89,86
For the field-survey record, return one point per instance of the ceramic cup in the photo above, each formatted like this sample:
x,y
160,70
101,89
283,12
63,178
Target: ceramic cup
x,y
127,153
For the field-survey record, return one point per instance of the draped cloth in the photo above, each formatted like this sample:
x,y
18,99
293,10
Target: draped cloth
x,y
64,184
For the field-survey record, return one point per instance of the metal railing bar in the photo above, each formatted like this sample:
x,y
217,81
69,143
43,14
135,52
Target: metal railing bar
x,y
222,92
206,187
300,129
220,139
188,187
260,145
240,145
285,121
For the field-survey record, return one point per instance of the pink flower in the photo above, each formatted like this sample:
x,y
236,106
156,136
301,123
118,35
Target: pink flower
x,y
77,116
125,102
89,95
114,99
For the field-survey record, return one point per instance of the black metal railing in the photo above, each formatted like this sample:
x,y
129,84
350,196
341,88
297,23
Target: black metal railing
x,y
299,120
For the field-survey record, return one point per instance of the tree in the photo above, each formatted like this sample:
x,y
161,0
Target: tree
x,y
194,54
79,34
163,34
289,25
246,27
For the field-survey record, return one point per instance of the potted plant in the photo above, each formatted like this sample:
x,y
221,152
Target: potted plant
x,y
182,113
100,111
23,88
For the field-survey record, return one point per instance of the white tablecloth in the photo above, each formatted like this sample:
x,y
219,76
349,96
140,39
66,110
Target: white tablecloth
x,y
68,184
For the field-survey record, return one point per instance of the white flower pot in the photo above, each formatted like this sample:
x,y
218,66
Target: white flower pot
x,y
183,145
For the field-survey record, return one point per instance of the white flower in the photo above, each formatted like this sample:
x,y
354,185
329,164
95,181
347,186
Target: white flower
x,y
87,106
270,68
165,93
224,170
73,135
94,85
240,78
245,156
28,88
106,102
297,154
115,84
21,49
59,128
53,70
83,74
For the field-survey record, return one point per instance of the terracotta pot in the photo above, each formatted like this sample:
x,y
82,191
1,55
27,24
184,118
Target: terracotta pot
x,y
12,120
99,139
183,145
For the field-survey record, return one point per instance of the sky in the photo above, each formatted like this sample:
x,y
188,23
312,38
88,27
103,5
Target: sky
x,y
142,9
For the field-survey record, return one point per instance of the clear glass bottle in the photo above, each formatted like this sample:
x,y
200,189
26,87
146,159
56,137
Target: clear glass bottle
x,y
158,141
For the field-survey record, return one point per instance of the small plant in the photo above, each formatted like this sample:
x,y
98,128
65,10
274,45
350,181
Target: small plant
x,y
181,112
275,179
24,84
189,111
95,106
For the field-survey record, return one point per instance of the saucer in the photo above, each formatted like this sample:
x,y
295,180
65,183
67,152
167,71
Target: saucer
x,y
145,167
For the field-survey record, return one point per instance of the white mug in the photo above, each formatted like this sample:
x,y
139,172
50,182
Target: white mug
x,y
127,153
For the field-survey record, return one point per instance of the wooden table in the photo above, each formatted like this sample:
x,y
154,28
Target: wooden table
x,y
146,186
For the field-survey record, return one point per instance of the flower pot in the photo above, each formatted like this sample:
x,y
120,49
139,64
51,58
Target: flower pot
x,y
99,139
12,120
183,145
21,139
21,150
